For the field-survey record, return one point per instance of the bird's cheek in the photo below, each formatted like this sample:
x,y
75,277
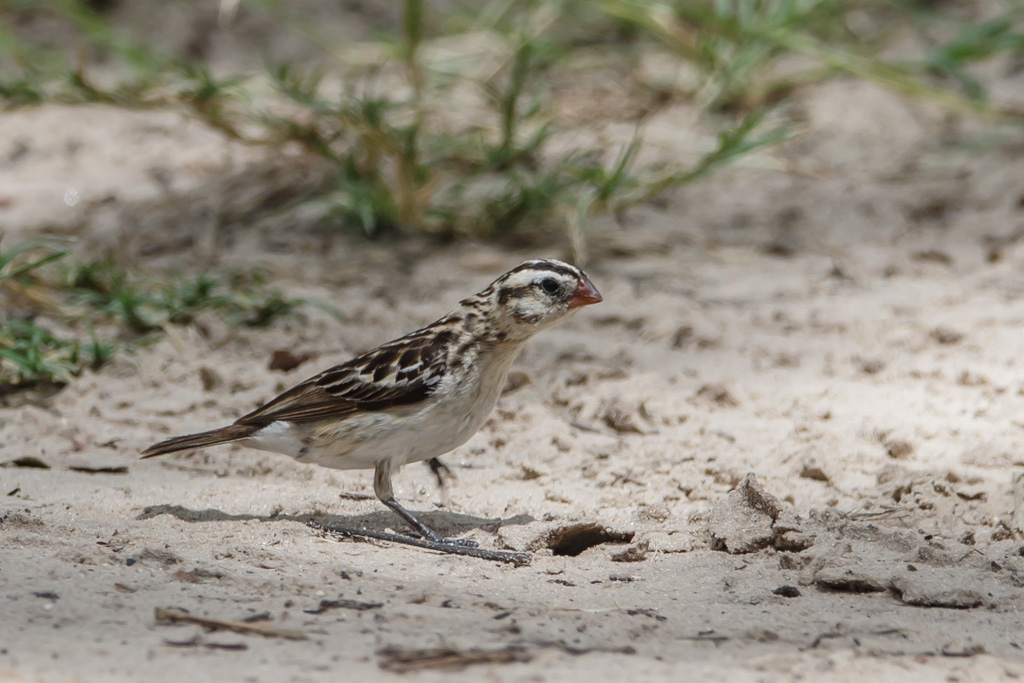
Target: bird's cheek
x,y
528,315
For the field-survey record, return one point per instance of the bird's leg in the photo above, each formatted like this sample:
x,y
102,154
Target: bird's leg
x,y
429,540
382,487
440,471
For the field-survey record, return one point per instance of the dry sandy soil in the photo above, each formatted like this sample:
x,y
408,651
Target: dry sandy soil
x,y
841,318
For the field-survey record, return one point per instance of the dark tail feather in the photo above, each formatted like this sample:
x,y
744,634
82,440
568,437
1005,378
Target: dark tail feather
x,y
201,440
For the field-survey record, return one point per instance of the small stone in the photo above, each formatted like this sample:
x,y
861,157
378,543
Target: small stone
x,y
286,359
634,553
210,378
945,335
717,394
897,448
869,366
812,470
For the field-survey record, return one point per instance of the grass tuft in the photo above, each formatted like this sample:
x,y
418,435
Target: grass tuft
x,y
408,160
54,307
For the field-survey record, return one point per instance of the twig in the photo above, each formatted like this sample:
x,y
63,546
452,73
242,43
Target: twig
x,y
517,558
179,616
197,641
585,427
707,637
343,604
355,495
820,637
112,469
400,661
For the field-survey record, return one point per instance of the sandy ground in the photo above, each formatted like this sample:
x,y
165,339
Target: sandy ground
x,y
841,319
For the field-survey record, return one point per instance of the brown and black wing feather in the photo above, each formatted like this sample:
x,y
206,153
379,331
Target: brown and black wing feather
x,y
403,372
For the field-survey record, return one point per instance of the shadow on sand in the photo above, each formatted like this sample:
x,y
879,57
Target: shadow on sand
x,y
445,523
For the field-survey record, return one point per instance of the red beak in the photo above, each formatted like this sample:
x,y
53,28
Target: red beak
x,y
586,293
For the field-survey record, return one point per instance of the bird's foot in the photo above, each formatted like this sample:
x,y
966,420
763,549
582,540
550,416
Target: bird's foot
x,y
458,542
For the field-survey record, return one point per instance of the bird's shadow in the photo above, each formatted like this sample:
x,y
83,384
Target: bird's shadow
x,y
444,523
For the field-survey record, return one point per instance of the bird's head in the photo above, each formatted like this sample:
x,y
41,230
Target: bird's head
x,y
534,296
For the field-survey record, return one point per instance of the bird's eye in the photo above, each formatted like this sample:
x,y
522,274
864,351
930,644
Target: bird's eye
x,y
549,285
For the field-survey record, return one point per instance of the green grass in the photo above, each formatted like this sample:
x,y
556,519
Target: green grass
x,y
43,289
30,355
143,305
398,168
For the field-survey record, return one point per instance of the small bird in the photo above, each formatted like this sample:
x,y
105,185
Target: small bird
x,y
413,398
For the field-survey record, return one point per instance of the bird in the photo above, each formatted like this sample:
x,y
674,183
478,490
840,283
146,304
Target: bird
x,y
413,398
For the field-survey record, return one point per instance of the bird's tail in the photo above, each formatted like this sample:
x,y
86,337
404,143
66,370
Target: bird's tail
x,y
202,440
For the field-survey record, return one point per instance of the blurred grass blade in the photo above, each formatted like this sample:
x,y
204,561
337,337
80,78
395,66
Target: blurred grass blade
x,y
10,270
733,143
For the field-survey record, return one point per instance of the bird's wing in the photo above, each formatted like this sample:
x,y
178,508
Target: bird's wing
x,y
402,372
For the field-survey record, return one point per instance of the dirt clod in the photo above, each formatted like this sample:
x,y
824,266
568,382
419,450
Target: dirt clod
x,y
845,580
926,590
286,359
744,522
